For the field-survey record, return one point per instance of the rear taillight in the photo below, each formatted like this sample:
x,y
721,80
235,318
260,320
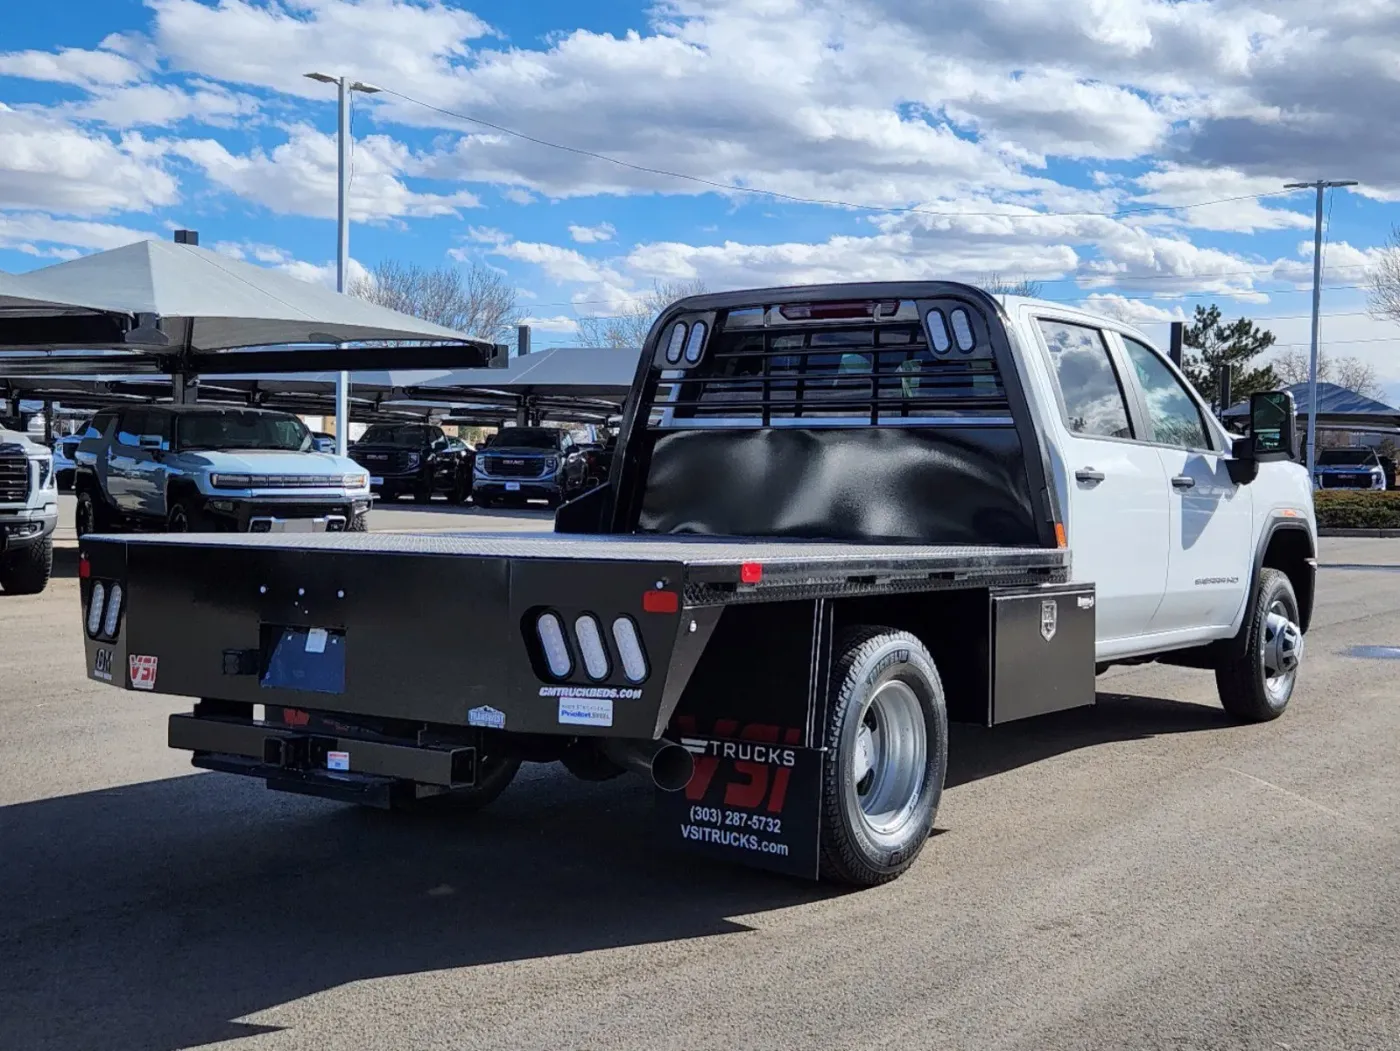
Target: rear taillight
x,y
96,605
629,649
556,650
114,612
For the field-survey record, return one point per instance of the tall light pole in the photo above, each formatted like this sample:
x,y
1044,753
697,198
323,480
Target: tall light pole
x,y
1321,186
342,255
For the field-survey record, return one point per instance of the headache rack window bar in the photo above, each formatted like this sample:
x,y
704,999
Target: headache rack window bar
x,y
883,373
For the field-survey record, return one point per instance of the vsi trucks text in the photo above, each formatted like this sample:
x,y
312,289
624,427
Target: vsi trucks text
x,y
836,519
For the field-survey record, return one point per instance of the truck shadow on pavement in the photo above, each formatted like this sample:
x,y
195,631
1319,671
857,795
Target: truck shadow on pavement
x,y
156,915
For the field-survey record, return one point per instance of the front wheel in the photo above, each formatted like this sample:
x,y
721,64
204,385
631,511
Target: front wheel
x,y
1259,667
887,748
90,516
186,517
27,571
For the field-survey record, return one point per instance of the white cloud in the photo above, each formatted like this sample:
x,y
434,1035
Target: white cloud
x,y
49,163
163,105
61,238
1173,184
300,176
71,65
1133,311
323,273
592,234
559,323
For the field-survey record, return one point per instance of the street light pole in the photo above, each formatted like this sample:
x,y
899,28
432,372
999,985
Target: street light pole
x,y
342,254
1321,186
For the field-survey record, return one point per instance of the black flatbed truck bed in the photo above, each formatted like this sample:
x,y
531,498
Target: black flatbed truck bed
x,y
767,573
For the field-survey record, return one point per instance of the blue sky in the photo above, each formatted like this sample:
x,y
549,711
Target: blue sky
x,y
1029,136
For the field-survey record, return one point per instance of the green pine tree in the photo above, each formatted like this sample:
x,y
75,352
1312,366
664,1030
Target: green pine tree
x,y
1235,345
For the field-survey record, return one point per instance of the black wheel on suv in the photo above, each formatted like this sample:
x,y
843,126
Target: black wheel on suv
x,y
27,571
187,517
90,516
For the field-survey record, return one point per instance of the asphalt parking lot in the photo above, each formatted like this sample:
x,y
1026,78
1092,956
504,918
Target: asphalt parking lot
x,y
1139,875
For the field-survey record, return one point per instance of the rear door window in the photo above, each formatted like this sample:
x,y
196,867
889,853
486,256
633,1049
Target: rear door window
x,y
1091,393
131,428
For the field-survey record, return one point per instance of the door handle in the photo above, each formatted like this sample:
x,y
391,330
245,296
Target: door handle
x,y
1088,474
1184,481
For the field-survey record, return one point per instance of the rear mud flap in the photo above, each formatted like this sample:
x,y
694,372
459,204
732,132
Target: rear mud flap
x,y
754,799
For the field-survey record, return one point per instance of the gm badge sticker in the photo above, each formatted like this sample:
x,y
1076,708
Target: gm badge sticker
x,y
1049,616
102,664
143,671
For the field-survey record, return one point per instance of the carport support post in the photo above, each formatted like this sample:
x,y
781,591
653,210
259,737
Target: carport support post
x,y
1178,338
342,262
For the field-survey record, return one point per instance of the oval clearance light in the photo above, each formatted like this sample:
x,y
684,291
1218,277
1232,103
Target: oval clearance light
x,y
938,332
556,650
673,349
661,602
695,345
99,599
114,612
962,331
629,649
590,644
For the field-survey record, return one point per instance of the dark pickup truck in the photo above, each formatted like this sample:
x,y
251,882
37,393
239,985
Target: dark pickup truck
x,y
415,459
833,522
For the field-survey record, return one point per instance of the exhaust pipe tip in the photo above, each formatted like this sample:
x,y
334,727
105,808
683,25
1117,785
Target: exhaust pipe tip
x,y
672,767
669,766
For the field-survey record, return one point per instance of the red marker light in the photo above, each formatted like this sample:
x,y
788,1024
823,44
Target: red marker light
x,y
751,572
84,568
661,602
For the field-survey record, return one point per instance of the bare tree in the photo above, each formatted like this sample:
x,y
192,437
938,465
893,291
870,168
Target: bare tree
x,y
475,300
1292,366
1384,280
1000,286
630,329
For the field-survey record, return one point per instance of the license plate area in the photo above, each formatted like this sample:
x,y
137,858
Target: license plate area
x,y
301,658
512,487
376,479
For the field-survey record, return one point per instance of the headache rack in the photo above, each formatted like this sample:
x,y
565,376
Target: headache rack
x,y
882,362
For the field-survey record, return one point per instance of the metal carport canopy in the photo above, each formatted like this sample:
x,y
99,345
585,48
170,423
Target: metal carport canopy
x,y
1337,409
183,310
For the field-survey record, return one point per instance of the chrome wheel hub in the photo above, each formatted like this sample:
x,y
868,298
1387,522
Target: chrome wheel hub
x,y
1282,647
889,759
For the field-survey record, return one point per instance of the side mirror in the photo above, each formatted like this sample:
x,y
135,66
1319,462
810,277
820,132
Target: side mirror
x,y
1273,424
1273,435
151,442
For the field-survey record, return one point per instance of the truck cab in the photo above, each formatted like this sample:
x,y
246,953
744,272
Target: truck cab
x,y
415,459
1154,517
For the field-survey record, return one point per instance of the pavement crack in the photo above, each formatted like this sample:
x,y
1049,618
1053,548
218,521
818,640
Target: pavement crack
x,y
1339,815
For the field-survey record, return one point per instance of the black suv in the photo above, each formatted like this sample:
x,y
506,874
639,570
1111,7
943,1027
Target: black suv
x,y
416,459
523,463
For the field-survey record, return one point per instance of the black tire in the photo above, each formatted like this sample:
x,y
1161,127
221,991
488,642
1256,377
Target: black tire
x,y
186,516
358,523
483,501
27,571
586,761
894,665
91,515
492,778
459,493
1246,690
422,494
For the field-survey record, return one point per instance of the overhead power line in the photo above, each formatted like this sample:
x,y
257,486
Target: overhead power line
x,y
827,202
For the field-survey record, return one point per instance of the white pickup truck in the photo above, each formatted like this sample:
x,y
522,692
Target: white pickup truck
x,y
837,518
28,514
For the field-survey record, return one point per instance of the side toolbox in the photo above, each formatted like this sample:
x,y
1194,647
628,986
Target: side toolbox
x,y
1042,651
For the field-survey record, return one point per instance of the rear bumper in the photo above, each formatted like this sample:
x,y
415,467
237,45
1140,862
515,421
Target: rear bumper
x,y
279,752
